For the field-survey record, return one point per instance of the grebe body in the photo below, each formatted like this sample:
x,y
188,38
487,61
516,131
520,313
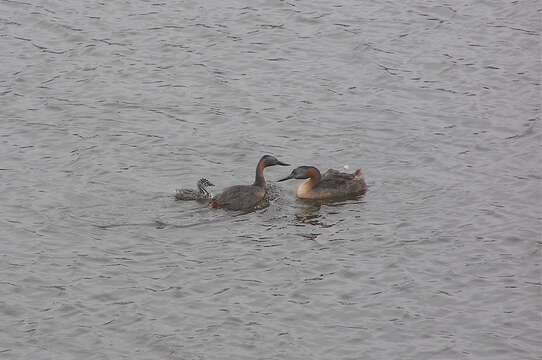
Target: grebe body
x,y
246,197
333,184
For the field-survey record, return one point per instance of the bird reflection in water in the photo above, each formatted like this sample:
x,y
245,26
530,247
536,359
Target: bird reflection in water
x,y
310,212
310,215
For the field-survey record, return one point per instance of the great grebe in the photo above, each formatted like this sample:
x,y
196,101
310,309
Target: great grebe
x,y
333,184
245,197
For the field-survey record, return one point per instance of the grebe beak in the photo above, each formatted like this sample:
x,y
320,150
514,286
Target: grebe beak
x,y
210,184
282,164
287,177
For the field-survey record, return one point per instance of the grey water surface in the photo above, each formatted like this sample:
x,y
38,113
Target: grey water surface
x,y
107,107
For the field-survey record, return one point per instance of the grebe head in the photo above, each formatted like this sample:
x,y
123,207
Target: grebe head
x,y
269,160
301,172
203,182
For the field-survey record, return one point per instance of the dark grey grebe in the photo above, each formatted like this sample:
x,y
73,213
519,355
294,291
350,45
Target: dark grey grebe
x,y
200,194
333,184
246,197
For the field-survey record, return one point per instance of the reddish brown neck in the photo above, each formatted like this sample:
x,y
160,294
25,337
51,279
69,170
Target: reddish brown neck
x,y
260,180
314,175
305,190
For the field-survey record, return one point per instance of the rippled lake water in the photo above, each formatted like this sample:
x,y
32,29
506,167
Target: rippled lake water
x,y
107,107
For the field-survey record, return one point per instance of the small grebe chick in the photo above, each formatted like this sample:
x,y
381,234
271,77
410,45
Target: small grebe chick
x,y
200,194
333,184
246,197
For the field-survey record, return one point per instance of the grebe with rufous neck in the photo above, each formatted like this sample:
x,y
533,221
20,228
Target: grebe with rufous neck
x,y
333,184
246,197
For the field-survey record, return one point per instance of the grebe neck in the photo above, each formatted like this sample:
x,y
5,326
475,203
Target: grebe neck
x,y
260,180
202,189
305,189
315,174
314,177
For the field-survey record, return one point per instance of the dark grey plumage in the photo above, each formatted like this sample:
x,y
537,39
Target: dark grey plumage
x,y
240,197
247,197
